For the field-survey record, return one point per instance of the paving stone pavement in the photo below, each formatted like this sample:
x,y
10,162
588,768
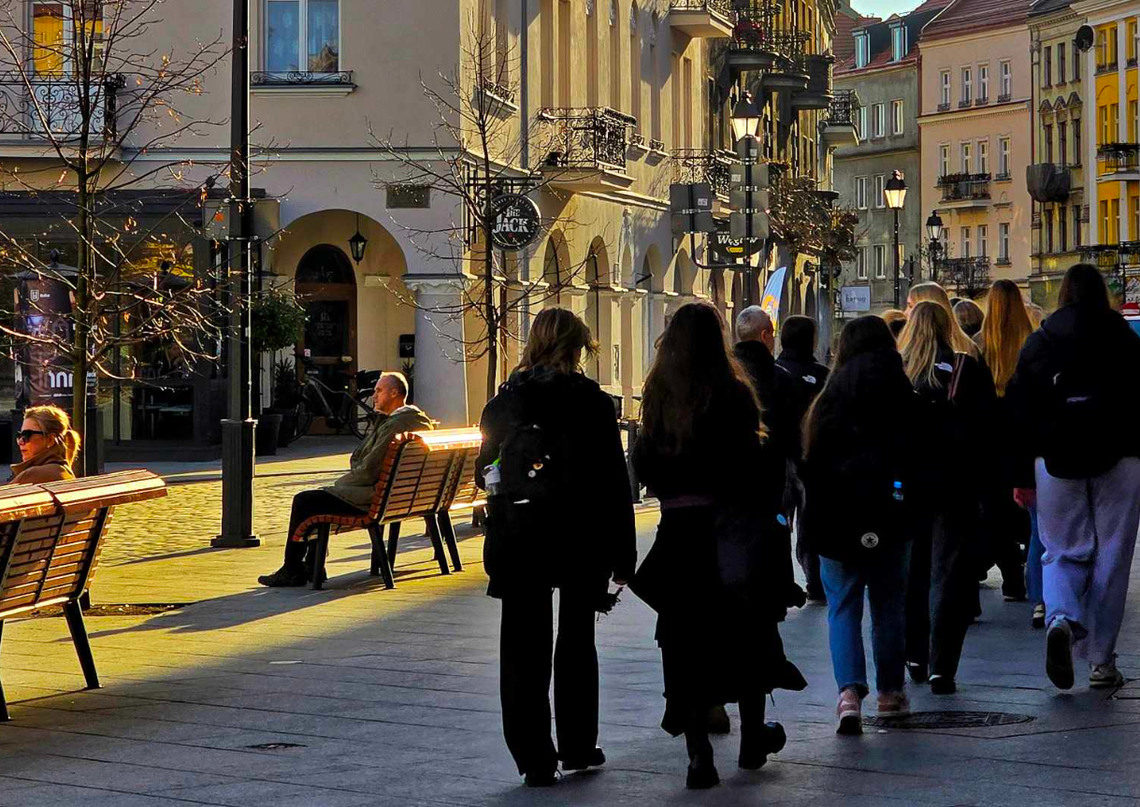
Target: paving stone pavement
x,y
356,695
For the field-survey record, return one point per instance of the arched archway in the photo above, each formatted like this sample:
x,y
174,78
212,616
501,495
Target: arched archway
x,y
326,281
556,265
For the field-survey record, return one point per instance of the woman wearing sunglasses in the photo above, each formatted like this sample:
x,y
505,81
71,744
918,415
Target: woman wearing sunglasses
x,y
48,446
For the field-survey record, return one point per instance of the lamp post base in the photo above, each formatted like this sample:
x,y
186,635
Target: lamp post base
x,y
237,485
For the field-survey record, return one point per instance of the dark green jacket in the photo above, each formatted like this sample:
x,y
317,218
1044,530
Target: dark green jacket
x,y
358,485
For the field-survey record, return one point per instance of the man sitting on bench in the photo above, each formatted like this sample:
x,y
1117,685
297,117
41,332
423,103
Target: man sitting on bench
x,y
353,492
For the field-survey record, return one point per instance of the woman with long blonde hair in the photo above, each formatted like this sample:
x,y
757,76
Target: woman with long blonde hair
x,y
934,293
48,446
956,396
1004,331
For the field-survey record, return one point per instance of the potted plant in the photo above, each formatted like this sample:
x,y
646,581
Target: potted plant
x,y
277,321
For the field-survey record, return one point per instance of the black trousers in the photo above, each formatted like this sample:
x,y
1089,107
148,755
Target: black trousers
x,y
306,504
1006,528
942,591
526,642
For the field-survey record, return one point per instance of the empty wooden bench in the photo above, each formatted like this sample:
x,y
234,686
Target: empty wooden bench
x,y
51,537
422,474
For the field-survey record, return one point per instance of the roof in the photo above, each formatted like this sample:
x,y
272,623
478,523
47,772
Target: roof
x,y
969,16
931,5
1048,6
882,53
843,43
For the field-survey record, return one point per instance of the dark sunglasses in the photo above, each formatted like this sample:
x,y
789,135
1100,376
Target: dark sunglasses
x,y
26,435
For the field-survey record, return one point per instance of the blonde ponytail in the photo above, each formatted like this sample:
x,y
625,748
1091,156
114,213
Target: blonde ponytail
x,y
57,425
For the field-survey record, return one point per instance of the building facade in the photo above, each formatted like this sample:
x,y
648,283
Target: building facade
x,y
976,90
883,70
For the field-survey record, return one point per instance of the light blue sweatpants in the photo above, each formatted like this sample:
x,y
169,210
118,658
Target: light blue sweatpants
x,y
1088,528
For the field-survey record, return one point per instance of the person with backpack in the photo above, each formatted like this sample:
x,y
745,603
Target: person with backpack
x,y
715,575
552,452
858,485
956,400
1073,393
797,356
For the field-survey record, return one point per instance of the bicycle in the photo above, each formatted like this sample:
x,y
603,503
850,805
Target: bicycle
x,y
354,409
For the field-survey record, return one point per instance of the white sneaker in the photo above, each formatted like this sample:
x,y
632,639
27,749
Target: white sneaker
x,y
1102,676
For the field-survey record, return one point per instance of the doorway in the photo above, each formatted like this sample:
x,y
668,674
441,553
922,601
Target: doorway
x,y
327,284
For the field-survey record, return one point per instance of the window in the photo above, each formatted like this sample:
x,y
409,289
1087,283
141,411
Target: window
x,y
967,158
1004,168
634,69
1130,43
1102,128
1003,242
983,82
1006,72
898,43
1133,215
1132,110
1076,63
880,261
615,57
1048,216
983,241
862,49
861,263
53,28
944,79
943,160
1047,129
1076,225
1114,220
897,117
302,35
879,120
1061,63
983,156
1112,51
1101,49
861,193
966,243
1104,239
880,185
1063,228
1047,67
967,86
1062,144
1076,124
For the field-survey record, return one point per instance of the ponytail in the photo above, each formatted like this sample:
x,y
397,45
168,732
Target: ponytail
x,y
57,425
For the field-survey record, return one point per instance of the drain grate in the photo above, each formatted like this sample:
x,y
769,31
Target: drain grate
x,y
948,720
275,746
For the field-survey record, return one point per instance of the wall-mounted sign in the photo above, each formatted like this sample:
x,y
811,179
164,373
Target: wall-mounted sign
x,y
515,221
727,249
855,298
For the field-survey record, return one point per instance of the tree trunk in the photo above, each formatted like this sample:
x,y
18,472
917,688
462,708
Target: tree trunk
x,y
80,318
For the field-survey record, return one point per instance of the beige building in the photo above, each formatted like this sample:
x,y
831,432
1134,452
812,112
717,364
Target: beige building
x,y
976,142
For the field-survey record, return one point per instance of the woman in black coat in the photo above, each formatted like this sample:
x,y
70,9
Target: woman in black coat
x,y
956,402
701,451
550,446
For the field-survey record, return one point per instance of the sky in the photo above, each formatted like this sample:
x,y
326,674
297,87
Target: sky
x,y
884,8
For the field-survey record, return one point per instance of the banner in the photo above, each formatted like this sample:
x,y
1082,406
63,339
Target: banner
x,y
43,308
770,299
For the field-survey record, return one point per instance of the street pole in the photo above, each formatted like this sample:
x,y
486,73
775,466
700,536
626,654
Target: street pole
x,y
898,268
238,428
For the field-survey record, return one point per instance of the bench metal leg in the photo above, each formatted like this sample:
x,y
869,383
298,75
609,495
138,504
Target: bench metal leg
x,y
3,703
380,564
85,600
393,542
437,542
78,630
448,530
321,551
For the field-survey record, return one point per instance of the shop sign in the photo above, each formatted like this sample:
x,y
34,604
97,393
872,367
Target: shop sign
x,y
727,249
515,221
855,298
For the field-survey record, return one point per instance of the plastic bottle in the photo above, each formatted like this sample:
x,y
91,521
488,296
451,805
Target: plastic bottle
x,y
492,477
898,493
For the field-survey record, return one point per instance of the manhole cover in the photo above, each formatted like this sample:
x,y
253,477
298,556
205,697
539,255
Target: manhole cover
x,y
948,720
275,746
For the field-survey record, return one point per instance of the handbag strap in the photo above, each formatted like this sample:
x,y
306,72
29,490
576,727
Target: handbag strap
x,y
956,377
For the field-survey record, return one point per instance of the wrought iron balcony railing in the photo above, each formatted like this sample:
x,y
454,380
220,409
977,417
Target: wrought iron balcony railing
x,y
819,68
700,165
966,274
1119,156
50,107
586,138
495,91
300,78
961,187
721,7
755,27
841,110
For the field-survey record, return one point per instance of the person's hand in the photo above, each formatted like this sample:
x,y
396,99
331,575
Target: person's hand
x,y
1025,497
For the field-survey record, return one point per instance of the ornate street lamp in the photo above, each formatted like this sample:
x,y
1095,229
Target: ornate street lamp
x,y
357,243
895,191
746,117
934,231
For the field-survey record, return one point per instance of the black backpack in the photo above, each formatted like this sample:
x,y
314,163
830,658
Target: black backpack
x,y
1082,416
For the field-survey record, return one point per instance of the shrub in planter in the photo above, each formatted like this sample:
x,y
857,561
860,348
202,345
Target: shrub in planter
x,y
276,320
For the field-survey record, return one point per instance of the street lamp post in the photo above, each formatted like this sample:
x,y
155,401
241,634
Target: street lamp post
x,y
746,118
934,231
895,191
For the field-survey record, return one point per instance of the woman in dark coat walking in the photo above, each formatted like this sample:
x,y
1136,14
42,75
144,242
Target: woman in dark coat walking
x,y
956,402
535,544
701,450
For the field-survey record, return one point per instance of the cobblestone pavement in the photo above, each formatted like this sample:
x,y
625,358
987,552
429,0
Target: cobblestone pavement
x,y
356,695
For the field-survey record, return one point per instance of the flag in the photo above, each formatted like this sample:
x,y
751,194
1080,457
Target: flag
x,y
770,300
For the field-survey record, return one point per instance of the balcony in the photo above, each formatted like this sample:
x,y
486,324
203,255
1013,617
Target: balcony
x,y
754,38
301,82
51,111
818,94
584,148
702,19
701,165
965,190
1048,182
968,276
790,71
1119,161
839,122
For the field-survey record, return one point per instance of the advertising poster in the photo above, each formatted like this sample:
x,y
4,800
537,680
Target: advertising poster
x,y
43,375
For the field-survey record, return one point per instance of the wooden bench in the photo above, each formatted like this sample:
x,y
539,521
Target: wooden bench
x,y
51,537
425,475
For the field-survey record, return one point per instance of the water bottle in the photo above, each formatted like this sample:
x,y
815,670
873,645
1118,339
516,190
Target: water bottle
x,y
898,493
492,477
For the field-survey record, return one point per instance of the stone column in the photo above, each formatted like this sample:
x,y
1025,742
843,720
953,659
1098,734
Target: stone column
x,y
441,373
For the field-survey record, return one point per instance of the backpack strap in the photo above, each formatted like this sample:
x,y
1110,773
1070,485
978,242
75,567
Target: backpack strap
x,y
956,377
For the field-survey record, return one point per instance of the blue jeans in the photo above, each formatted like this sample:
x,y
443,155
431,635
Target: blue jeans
x,y
1034,588
884,581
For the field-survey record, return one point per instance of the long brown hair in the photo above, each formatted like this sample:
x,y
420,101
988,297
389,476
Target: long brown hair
x,y
936,294
1004,331
57,428
693,374
557,340
927,331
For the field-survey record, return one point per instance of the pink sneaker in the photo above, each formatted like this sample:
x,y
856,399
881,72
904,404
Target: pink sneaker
x,y
849,710
893,704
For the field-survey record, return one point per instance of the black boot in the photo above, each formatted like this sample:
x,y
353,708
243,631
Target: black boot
x,y
702,772
757,738
718,721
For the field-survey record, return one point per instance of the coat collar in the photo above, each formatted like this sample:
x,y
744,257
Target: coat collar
x,y
55,454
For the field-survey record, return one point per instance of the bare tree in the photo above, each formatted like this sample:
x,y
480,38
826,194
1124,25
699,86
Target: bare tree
x,y
89,82
479,150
